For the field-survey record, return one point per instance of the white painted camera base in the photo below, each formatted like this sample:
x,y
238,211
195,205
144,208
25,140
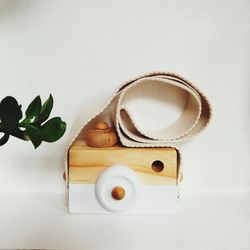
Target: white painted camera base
x,y
153,199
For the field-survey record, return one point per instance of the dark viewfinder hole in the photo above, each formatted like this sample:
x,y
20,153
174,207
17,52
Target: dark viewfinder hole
x,y
157,166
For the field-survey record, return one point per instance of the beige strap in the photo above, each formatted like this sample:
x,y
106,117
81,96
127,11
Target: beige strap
x,y
137,111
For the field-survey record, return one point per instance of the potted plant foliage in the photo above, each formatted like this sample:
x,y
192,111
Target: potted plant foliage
x,y
32,126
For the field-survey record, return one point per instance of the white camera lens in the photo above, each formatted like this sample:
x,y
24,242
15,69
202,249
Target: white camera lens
x,y
117,188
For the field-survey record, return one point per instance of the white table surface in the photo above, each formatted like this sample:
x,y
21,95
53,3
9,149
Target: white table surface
x,y
203,221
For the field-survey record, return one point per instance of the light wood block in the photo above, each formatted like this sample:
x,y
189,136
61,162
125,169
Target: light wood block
x,y
87,163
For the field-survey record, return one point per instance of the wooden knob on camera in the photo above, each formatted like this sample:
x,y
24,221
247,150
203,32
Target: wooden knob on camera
x,y
101,136
118,193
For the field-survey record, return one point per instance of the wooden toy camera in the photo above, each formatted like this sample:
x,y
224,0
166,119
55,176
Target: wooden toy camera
x,y
108,178
147,112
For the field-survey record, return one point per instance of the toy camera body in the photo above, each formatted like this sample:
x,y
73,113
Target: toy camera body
x,y
122,180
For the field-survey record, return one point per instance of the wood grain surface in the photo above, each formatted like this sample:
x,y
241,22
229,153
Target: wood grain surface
x,y
87,163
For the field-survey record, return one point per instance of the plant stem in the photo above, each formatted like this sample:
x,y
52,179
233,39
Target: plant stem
x,y
19,133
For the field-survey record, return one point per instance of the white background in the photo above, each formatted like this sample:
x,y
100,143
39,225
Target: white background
x,y
82,50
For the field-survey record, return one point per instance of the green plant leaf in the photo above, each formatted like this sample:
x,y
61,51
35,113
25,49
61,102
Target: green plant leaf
x,y
4,139
47,106
10,112
53,129
34,108
45,111
34,134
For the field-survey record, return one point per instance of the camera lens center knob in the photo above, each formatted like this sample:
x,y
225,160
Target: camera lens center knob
x,y
117,188
118,193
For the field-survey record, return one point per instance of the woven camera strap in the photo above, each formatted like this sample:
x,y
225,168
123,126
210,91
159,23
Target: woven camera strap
x,y
136,110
